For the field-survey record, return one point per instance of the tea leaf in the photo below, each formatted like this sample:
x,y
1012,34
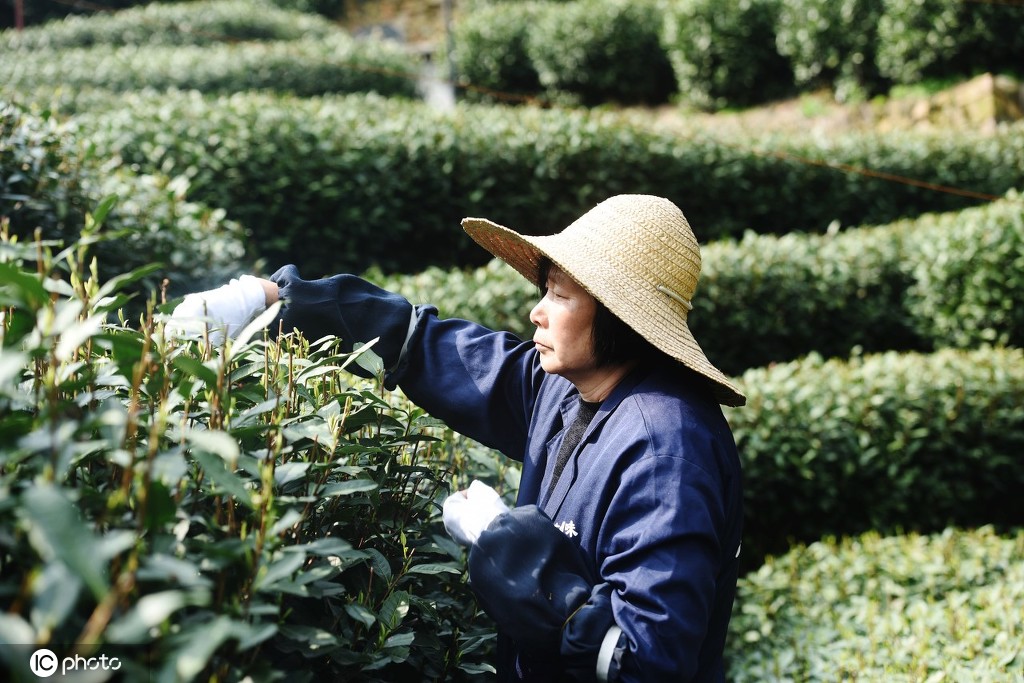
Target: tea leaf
x,y
222,479
57,533
150,611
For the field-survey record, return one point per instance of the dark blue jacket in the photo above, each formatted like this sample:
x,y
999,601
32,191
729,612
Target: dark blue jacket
x,y
651,496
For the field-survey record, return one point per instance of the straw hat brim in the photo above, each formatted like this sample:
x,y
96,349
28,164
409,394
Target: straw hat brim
x,y
638,303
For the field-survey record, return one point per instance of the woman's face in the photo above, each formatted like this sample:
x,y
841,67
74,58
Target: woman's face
x,y
565,319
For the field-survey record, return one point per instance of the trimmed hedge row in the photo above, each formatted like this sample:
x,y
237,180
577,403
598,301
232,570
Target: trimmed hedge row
x,y
936,38
886,442
723,52
731,53
335,64
338,183
598,51
50,182
922,608
491,56
941,280
39,12
586,51
195,23
832,42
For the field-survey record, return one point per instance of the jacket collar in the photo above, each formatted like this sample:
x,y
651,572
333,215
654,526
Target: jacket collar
x,y
568,408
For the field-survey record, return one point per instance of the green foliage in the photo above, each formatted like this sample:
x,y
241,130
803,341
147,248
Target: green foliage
x,y
922,608
331,9
321,183
936,38
724,53
40,11
50,182
832,42
588,52
885,442
733,53
602,50
968,275
339,183
335,64
205,22
491,57
941,280
214,515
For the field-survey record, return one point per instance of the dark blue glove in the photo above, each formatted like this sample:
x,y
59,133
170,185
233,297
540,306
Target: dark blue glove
x,y
350,308
535,583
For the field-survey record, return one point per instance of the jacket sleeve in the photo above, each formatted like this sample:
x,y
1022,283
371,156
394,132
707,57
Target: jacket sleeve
x,y
536,584
482,383
671,565
348,307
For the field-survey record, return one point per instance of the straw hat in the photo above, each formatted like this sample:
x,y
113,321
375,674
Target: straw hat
x,y
637,255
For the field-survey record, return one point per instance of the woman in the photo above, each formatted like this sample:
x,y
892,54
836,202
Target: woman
x,y
619,561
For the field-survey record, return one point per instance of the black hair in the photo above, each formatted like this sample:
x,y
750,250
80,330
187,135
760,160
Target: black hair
x,y
614,341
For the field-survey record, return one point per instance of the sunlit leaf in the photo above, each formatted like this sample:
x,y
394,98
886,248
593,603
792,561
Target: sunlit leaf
x,y
222,479
149,611
58,533
347,488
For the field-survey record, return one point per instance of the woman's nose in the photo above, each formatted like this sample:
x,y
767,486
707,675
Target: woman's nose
x,y
536,314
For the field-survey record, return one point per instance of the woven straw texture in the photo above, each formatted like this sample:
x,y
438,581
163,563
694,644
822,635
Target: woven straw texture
x,y
637,255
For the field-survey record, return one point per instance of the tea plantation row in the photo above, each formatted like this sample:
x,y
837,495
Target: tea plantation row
x,y
50,182
726,53
706,52
342,183
204,22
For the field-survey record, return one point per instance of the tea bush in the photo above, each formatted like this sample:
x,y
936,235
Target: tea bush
x,y
741,52
337,184
934,38
214,515
885,442
50,181
940,280
587,52
832,42
194,23
923,608
335,64
43,12
596,51
491,56
724,53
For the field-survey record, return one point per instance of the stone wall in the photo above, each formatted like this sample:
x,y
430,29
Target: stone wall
x,y
981,103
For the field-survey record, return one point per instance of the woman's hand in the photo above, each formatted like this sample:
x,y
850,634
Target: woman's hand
x,y
467,513
223,311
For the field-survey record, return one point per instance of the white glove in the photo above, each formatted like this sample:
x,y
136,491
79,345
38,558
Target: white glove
x,y
226,309
467,513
